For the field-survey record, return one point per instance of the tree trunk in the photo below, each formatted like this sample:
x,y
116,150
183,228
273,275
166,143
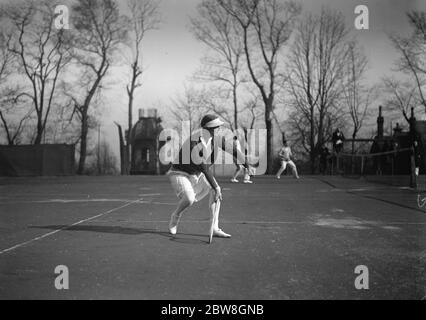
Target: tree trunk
x,y
269,137
39,135
130,119
234,91
312,152
353,142
312,160
320,139
83,143
353,152
123,160
85,120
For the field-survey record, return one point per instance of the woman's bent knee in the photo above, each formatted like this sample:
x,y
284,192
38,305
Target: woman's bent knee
x,y
188,200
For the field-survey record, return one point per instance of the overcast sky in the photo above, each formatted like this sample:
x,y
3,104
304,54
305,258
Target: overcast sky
x,y
171,54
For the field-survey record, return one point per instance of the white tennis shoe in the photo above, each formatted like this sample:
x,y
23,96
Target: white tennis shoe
x,y
234,180
219,233
174,220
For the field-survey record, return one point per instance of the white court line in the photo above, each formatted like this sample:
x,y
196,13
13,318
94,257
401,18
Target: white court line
x,y
69,226
85,200
77,200
207,220
253,222
162,203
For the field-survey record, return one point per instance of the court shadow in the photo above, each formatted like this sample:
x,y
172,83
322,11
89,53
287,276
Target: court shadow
x,y
180,238
188,240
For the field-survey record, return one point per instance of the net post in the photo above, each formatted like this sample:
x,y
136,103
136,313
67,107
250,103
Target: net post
x,y
413,178
362,166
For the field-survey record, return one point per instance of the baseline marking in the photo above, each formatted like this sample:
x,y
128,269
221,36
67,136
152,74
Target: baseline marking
x,y
261,222
64,228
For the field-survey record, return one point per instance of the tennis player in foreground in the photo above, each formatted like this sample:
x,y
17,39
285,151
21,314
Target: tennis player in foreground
x,y
192,180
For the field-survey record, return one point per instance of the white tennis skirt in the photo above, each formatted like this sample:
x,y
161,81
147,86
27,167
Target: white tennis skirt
x,y
191,186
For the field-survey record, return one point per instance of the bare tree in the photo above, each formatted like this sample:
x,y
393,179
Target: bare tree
x,y
6,57
265,27
104,162
252,112
413,52
42,53
14,115
356,95
99,30
144,17
214,99
317,77
187,107
402,96
63,128
195,102
219,32
6,93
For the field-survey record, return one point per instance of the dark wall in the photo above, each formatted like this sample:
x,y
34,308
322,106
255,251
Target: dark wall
x,y
421,133
37,160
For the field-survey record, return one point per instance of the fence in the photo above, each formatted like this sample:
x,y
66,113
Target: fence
x,y
37,160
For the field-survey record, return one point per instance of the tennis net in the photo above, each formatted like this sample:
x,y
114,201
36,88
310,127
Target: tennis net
x,y
391,167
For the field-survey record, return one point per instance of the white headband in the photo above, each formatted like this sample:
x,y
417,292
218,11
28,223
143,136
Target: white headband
x,y
213,124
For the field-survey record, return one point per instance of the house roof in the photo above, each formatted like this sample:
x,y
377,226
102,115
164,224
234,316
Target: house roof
x,y
146,129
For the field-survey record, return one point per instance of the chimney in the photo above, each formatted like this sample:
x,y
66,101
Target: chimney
x,y
152,113
141,113
380,122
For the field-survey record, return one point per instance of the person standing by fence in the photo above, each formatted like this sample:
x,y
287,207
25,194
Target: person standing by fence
x,y
324,158
338,139
417,157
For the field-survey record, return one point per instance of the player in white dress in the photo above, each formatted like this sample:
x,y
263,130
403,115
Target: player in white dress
x,y
240,168
192,180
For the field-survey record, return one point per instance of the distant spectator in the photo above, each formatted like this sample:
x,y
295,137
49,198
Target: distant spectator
x,y
338,139
417,157
385,157
395,146
324,157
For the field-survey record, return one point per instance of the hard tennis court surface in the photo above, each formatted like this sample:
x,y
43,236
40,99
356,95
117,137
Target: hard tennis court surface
x,y
291,239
